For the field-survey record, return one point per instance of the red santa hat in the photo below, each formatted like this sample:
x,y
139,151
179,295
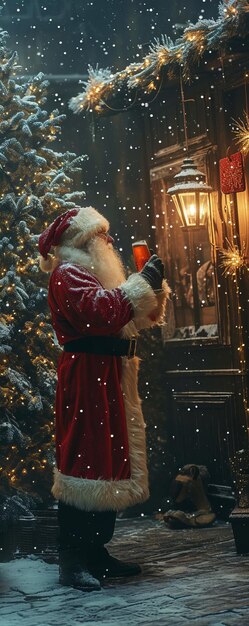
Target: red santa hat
x,y
84,222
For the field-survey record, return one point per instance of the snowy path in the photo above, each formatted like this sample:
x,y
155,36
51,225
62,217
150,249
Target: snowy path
x,y
190,577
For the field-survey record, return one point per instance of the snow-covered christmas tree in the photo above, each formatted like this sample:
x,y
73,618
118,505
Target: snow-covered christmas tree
x,y
36,186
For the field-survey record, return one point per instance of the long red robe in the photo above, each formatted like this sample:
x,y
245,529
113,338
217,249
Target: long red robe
x,y
91,433
100,438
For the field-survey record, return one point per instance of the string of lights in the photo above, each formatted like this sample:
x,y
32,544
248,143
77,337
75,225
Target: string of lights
x,y
164,59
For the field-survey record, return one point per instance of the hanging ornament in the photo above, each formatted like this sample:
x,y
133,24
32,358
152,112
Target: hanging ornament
x,y
232,177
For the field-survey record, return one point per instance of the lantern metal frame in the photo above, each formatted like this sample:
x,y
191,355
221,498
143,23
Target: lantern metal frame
x,y
190,182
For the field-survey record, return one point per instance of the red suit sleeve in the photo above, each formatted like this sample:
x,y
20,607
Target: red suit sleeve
x,y
86,305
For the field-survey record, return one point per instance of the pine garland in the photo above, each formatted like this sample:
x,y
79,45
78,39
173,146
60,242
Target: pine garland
x,y
166,57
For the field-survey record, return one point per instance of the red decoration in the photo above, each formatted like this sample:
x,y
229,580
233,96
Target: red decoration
x,y
51,236
75,297
232,177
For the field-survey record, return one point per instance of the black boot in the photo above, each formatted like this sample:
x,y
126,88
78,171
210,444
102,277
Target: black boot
x,y
102,564
73,573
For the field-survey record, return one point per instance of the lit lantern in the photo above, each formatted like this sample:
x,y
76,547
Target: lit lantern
x,y
191,195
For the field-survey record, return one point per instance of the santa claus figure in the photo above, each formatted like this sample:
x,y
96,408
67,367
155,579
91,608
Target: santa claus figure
x,y
100,437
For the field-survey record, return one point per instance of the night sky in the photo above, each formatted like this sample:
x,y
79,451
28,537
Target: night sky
x,y
64,36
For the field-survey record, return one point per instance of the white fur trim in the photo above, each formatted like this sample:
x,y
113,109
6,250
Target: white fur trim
x,y
74,256
149,306
49,264
85,225
88,222
142,298
158,315
104,495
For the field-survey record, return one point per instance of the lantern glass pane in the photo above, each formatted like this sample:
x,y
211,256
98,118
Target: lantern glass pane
x,y
189,208
204,206
179,209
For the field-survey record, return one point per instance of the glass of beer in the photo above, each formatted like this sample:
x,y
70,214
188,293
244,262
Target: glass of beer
x,y
141,254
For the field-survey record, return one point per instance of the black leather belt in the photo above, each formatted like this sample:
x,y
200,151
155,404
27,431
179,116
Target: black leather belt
x,y
114,346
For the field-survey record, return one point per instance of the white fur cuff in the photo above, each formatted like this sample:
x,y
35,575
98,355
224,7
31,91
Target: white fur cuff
x,y
148,306
48,265
142,298
97,495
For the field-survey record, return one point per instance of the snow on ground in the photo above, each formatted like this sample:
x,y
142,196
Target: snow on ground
x,y
190,578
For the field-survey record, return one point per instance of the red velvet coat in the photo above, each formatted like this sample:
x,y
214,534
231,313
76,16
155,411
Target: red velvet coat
x,y
100,441
91,434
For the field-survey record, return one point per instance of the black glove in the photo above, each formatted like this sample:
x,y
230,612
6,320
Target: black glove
x,y
153,272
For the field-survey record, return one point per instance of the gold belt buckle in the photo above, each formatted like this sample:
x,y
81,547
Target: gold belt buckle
x,y
132,348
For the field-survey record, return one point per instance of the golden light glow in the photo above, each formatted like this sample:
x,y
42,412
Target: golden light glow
x,y
233,259
242,133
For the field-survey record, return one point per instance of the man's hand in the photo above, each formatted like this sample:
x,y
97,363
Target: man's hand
x,y
153,272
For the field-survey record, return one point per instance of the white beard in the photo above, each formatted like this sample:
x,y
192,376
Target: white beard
x,y
106,263
99,258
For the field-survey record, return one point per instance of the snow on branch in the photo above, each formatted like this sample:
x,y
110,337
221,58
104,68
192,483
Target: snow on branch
x,y
99,87
99,81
